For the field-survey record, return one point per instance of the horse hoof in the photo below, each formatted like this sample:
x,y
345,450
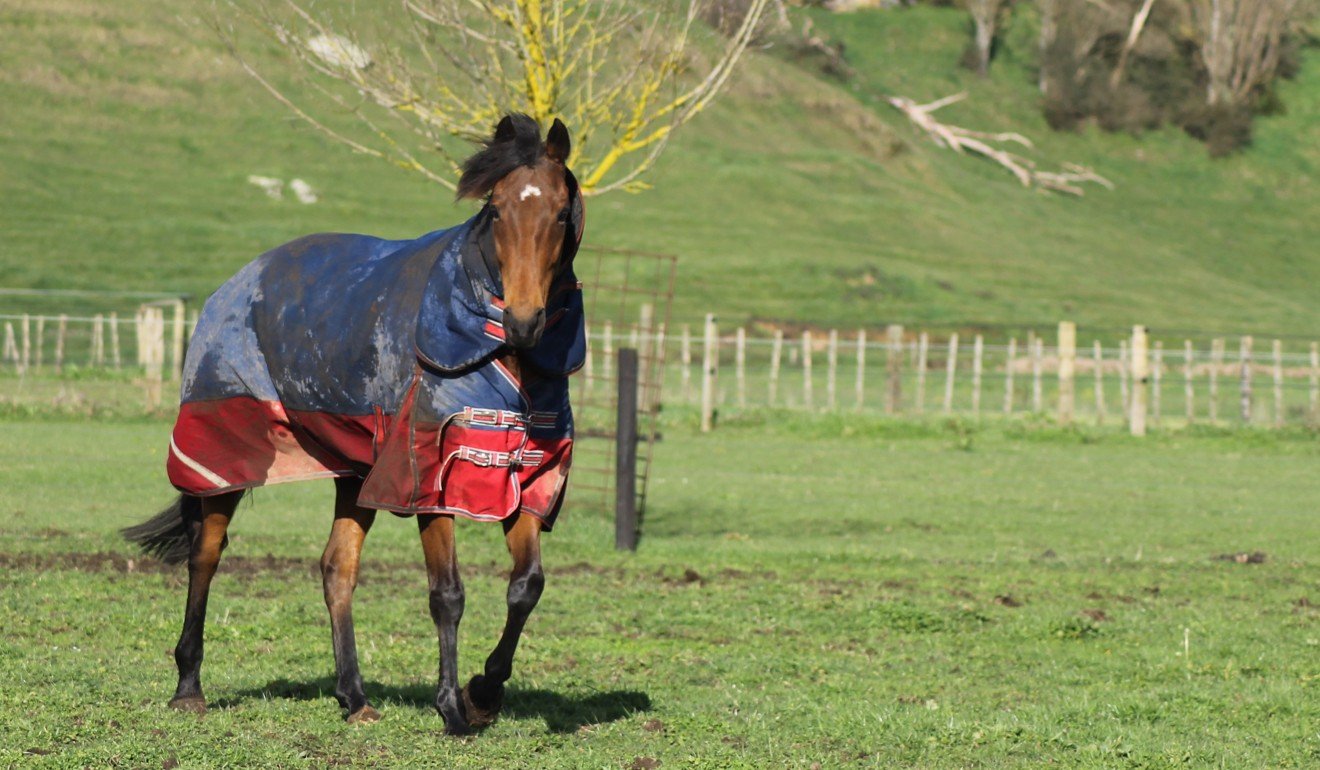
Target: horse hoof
x,y
195,704
481,715
364,715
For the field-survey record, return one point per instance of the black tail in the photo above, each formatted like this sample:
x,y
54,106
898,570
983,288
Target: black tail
x,y
167,535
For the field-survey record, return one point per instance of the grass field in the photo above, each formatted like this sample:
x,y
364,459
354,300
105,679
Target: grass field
x,y
128,137
836,592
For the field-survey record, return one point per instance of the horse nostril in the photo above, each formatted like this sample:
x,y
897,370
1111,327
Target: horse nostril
x,y
524,332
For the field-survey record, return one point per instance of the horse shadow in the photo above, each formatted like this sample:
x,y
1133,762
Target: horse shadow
x,y
561,713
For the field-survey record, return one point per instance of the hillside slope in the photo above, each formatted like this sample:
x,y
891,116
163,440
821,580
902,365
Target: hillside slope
x,y
128,137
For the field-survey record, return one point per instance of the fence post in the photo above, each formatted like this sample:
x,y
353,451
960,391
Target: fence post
x,y
740,365
1315,381
1037,368
607,353
950,369
978,352
625,454
923,351
588,366
832,370
114,341
1067,364
806,370
60,333
154,325
1140,377
776,358
1189,393
893,368
644,335
1278,384
41,339
860,385
1010,360
1244,359
1216,363
1099,357
97,355
710,364
27,341
11,348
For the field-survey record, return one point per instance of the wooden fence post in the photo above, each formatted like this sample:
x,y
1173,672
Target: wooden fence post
x,y
1315,381
11,348
1140,380
27,341
115,360
1216,363
625,454
1244,360
740,365
1189,393
832,370
1010,364
860,386
1037,365
97,354
60,333
978,353
643,336
1099,356
1278,384
923,352
893,368
1067,341
950,369
807,400
588,364
1156,377
776,358
657,369
710,363
154,331
41,339
607,354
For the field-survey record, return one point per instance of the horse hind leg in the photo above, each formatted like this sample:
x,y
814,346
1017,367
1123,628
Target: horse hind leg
x,y
339,574
484,694
207,528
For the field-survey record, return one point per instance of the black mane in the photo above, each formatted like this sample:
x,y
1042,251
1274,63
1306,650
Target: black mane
x,y
516,142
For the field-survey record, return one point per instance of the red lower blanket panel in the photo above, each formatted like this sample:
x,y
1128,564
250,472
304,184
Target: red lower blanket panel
x,y
462,467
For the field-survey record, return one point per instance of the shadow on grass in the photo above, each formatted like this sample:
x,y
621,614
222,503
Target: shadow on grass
x,y
562,713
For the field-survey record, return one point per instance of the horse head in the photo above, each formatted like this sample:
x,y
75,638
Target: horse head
x,y
534,210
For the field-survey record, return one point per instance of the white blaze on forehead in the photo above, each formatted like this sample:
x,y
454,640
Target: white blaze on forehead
x,y
528,191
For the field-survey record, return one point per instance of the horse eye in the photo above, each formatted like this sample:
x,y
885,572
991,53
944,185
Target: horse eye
x,y
494,214
563,216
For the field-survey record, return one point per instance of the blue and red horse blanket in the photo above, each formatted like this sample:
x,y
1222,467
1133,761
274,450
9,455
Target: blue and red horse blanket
x,y
348,355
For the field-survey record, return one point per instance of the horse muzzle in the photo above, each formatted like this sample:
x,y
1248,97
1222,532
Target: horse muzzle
x,y
524,331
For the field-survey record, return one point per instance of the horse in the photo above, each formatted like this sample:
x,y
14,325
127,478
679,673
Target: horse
x,y
427,377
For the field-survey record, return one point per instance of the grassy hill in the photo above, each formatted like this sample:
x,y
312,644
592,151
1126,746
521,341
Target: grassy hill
x,y
127,137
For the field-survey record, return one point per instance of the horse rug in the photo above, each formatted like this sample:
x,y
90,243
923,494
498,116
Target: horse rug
x,y
348,355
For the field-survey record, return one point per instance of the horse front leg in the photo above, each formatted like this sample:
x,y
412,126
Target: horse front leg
x,y
208,541
339,575
446,597
484,694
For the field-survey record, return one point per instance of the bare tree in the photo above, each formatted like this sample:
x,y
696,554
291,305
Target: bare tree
x,y
623,77
985,19
1240,43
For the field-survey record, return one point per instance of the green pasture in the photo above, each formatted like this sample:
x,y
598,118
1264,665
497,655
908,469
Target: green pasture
x,y
128,136
832,592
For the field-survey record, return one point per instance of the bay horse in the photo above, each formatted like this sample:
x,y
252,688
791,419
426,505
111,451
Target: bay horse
x,y
427,377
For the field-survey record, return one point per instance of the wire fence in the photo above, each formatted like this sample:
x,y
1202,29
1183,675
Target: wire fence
x,y
1266,382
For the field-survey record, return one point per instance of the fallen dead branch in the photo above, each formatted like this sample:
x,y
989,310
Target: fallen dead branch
x,y
1067,180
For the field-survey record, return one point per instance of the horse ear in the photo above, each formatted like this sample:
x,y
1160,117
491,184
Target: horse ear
x,y
505,130
557,144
